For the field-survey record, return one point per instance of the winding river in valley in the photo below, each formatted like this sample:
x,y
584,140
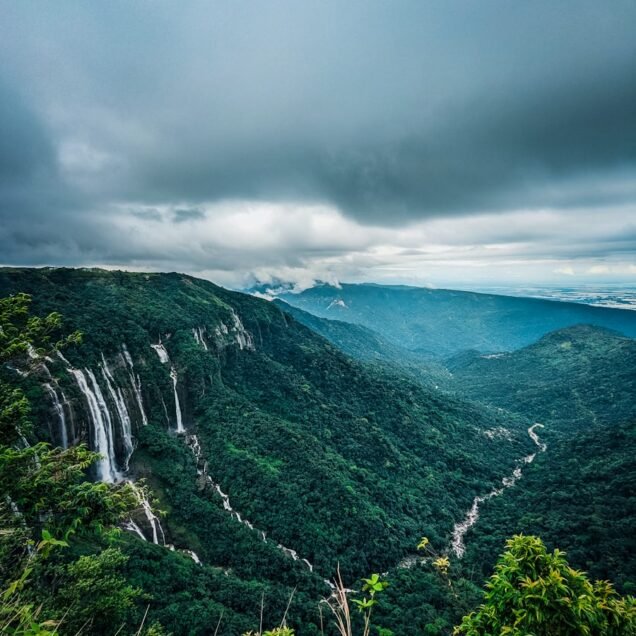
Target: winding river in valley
x,y
457,545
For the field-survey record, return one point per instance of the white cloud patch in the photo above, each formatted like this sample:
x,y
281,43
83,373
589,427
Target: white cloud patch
x,y
240,243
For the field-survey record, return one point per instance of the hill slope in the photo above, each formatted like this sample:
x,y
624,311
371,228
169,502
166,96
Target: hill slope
x,y
368,346
579,375
444,322
579,496
579,381
246,422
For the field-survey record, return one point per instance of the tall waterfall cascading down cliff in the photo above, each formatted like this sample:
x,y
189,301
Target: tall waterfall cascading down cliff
x,y
113,399
102,429
122,412
135,383
103,433
151,517
165,359
59,409
177,405
198,333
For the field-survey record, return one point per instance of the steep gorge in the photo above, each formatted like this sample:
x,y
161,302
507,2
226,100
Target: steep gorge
x,y
245,425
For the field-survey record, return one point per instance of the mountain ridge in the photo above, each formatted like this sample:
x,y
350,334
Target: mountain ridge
x,y
444,322
576,375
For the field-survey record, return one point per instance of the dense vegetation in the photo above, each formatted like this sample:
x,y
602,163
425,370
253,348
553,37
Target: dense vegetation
x,y
331,458
443,322
370,347
347,463
579,495
535,592
50,514
577,376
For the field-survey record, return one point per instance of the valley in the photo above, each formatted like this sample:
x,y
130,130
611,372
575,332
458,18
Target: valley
x,y
268,448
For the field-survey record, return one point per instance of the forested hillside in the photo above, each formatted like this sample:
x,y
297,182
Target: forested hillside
x,y
443,322
578,497
580,382
368,346
580,375
274,456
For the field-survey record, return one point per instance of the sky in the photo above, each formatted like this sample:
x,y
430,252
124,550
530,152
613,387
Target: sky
x,y
427,142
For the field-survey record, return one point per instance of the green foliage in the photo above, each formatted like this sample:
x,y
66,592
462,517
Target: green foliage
x,y
579,496
19,329
536,592
46,500
95,589
341,461
573,378
50,489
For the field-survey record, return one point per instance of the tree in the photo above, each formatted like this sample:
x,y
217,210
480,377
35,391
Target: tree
x,y
46,500
536,592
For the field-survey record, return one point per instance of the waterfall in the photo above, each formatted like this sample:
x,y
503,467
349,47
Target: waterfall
x,y
161,352
131,526
158,535
177,406
165,410
135,382
102,426
197,332
59,409
103,407
153,520
122,412
193,556
243,337
457,545
60,355
164,358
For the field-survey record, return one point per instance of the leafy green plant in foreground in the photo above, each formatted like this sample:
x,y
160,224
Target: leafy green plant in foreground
x,y
536,592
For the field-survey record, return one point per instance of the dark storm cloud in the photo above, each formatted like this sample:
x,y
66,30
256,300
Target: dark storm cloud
x,y
391,112
147,214
181,215
25,148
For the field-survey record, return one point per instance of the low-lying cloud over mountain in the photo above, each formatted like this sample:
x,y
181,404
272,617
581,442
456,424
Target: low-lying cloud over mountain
x,y
407,141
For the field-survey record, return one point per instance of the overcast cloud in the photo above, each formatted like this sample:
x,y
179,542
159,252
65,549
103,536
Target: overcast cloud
x,y
440,142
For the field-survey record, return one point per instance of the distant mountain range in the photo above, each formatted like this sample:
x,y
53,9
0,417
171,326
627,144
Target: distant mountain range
x,y
441,323
368,346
